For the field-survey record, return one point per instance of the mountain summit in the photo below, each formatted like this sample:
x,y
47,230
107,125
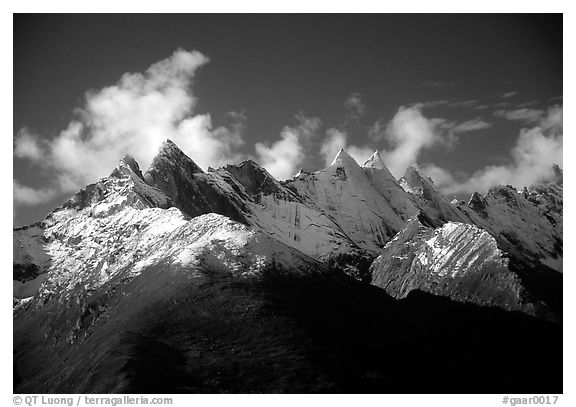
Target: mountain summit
x,y
204,277
375,161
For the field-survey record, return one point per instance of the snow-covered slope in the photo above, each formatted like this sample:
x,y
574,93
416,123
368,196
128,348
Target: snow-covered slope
x,y
116,227
37,249
527,224
280,212
457,260
345,194
386,185
249,194
341,217
180,280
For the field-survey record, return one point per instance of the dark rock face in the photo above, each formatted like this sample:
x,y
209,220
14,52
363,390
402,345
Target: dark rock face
x,y
187,185
162,332
128,162
341,173
25,272
478,204
171,156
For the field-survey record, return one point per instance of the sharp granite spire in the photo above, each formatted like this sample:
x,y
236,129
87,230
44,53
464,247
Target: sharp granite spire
x,y
375,161
343,159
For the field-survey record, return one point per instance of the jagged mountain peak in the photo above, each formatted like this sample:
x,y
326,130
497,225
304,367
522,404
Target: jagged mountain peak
x,y
124,187
133,250
416,182
189,188
168,147
388,187
171,170
255,178
344,167
478,203
170,155
376,164
413,173
343,159
375,161
125,166
428,198
251,164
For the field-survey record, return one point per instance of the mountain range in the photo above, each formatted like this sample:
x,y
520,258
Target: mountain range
x,y
177,280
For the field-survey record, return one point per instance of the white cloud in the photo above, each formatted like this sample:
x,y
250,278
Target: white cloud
x,y
133,117
553,120
27,145
335,140
284,157
465,127
469,103
431,104
307,127
532,157
439,175
465,103
524,115
471,125
507,95
206,145
408,133
29,196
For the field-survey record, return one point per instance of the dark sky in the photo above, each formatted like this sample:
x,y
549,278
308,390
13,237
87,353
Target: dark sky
x,y
272,67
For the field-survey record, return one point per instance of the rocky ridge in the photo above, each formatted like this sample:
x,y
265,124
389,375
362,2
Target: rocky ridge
x,y
177,280
496,249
